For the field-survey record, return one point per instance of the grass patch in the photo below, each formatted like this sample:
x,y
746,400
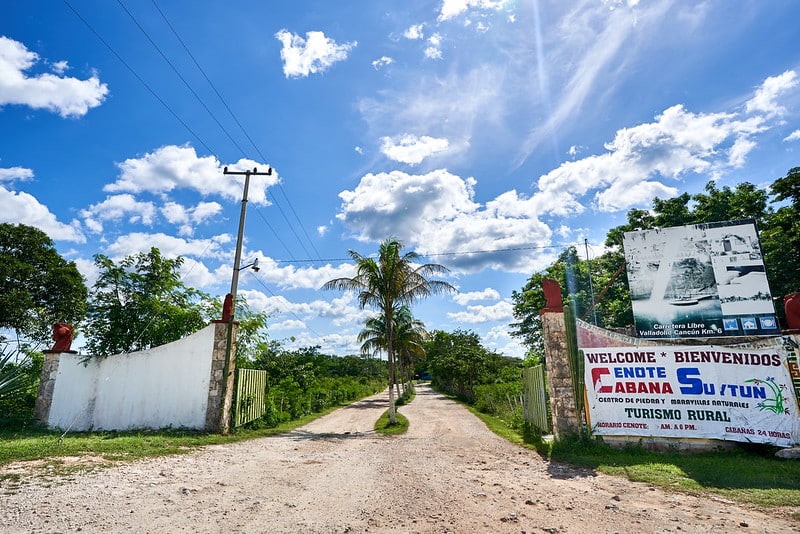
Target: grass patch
x,y
749,474
383,426
34,443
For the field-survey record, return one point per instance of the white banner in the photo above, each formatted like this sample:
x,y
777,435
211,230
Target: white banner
x,y
708,391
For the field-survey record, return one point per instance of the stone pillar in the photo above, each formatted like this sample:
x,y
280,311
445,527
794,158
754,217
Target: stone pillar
x,y
47,384
559,378
220,387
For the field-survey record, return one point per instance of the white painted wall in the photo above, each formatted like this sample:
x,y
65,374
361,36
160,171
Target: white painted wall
x,y
156,388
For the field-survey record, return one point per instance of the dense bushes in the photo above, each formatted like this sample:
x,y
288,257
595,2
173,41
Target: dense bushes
x,y
287,400
19,380
305,381
460,366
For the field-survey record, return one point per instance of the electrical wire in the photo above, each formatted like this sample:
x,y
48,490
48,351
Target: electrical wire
x,y
242,128
136,75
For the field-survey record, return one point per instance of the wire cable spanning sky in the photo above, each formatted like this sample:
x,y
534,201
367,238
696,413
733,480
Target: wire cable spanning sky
x,y
483,134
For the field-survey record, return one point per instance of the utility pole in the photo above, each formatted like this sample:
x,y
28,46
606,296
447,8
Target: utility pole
x,y
238,257
230,364
591,286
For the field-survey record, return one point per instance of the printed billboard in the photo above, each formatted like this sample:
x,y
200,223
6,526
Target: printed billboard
x,y
711,392
703,280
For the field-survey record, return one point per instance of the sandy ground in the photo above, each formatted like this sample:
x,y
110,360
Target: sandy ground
x,y
448,474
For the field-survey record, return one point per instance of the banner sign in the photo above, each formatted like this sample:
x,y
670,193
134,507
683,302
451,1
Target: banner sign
x,y
712,392
703,280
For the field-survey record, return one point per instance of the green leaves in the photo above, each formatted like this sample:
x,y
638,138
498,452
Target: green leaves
x,y
37,286
140,303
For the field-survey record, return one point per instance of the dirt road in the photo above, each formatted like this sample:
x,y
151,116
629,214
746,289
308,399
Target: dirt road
x,y
448,474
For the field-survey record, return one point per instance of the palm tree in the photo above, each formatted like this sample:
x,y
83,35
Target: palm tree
x,y
12,377
388,283
373,336
409,335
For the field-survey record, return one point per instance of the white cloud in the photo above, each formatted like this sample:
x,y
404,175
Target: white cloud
x,y
322,230
434,49
342,310
188,218
436,213
291,277
88,269
179,167
486,294
453,8
289,324
411,149
678,142
382,62
499,340
739,151
450,106
594,41
59,67
15,173
69,97
765,99
794,136
117,208
502,311
316,53
414,32
170,246
22,208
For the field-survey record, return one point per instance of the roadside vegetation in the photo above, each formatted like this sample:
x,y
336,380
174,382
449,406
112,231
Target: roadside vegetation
x,y
748,474
304,384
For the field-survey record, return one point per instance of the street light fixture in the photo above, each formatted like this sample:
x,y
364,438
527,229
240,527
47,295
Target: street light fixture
x,y
253,266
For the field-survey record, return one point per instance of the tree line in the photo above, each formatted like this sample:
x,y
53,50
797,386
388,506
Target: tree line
x,y
776,211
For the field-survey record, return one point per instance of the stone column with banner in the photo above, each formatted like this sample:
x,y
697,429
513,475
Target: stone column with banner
x,y
559,376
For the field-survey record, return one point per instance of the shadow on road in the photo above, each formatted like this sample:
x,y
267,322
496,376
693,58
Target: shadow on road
x,y
305,435
367,404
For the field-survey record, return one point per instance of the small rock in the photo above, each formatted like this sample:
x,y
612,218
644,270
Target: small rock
x,y
743,524
789,454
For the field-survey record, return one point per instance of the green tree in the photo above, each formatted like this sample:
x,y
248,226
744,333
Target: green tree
x,y
457,362
388,283
251,334
140,303
37,286
409,336
780,237
572,274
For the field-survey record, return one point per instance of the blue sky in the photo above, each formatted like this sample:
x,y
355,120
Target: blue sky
x,y
485,135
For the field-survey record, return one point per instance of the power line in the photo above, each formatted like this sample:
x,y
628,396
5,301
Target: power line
x,y
180,76
136,75
290,312
242,128
437,254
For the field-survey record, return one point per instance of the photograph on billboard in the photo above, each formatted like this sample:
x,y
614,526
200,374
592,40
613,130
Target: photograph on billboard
x,y
702,280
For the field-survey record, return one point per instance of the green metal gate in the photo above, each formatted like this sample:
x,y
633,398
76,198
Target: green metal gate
x,y
535,402
251,391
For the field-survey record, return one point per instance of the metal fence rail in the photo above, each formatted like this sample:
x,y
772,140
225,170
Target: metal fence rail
x,y
535,402
251,389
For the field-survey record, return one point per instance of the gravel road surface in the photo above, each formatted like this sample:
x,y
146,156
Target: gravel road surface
x,y
447,474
